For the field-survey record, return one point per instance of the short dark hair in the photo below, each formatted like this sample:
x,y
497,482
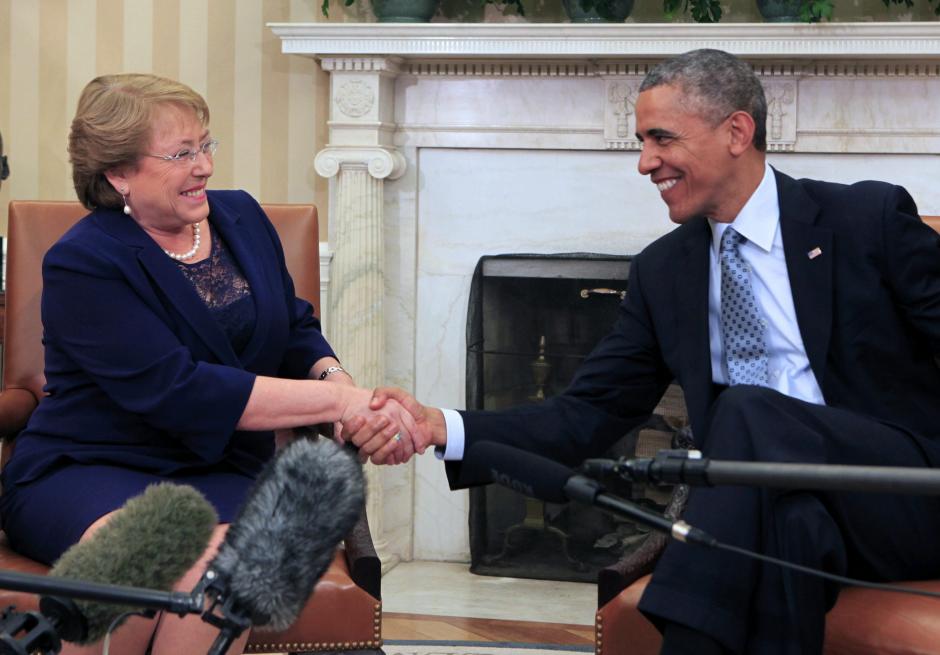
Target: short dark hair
x,y
715,84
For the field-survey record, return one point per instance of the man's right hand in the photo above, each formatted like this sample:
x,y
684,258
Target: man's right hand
x,y
430,429
374,434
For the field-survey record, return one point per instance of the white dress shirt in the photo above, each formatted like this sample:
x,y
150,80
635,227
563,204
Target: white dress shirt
x,y
789,368
759,223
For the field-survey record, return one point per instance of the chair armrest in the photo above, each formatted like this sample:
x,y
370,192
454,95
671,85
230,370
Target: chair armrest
x,y
615,578
620,575
365,568
16,404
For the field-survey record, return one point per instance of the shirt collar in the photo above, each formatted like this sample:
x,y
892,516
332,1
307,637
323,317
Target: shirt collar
x,y
759,219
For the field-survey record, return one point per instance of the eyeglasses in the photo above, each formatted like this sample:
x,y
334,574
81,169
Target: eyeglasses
x,y
208,149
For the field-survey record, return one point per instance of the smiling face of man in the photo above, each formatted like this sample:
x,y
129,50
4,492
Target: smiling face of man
x,y
688,158
700,167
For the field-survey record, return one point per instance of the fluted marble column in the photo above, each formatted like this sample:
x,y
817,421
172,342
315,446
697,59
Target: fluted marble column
x,y
357,161
357,284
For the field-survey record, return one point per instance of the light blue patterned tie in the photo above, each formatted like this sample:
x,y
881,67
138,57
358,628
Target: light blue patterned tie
x,y
742,329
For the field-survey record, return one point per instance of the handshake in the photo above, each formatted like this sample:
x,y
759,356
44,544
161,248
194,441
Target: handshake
x,y
390,426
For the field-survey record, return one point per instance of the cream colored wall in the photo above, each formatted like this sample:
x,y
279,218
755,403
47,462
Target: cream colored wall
x,y
268,109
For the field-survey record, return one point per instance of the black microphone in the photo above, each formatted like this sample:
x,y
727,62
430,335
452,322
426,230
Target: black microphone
x,y
688,466
304,502
545,479
149,543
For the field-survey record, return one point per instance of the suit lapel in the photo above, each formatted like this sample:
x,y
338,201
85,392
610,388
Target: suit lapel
x,y
245,251
809,254
176,288
692,312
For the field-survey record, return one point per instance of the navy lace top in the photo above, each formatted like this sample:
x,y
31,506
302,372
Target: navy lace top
x,y
220,283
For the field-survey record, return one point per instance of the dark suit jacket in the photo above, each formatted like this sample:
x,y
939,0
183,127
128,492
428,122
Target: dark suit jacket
x,y
138,372
868,310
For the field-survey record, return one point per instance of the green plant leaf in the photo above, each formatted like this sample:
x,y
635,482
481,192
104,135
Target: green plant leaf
x,y
705,11
813,11
325,8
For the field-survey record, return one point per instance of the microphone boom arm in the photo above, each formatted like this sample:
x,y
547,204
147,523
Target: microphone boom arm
x,y
590,492
169,601
688,467
59,617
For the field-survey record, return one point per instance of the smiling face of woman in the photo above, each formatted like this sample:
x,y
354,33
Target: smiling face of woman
x,y
168,196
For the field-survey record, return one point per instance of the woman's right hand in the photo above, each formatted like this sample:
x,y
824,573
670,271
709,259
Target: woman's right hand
x,y
430,428
386,434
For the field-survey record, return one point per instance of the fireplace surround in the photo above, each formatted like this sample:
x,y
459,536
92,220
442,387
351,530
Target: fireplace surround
x,y
531,321
451,142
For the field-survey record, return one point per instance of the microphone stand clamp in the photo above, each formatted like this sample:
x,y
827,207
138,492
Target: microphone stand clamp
x,y
667,467
38,634
222,612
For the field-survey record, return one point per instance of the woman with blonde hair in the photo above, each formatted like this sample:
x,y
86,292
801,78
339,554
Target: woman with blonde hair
x,y
174,343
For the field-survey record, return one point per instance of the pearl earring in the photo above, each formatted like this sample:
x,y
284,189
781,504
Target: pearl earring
x,y
127,208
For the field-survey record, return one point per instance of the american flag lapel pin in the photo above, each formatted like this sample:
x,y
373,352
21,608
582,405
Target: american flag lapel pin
x,y
814,253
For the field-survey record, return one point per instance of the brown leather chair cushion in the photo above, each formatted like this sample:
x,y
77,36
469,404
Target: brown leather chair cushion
x,y
347,618
22,354
297,227
869,622
619,628
863,622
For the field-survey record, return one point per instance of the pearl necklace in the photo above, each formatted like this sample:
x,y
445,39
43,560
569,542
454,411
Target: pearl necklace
x,y
189,254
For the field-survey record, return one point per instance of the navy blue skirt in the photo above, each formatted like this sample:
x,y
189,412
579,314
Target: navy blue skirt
x,y
47,516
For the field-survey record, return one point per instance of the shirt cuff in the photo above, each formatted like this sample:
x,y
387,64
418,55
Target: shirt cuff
x,y
455,437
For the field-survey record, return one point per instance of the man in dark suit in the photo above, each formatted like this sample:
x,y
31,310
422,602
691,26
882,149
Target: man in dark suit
x,y
802,320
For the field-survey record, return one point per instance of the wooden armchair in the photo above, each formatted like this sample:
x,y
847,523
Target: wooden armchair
x,y
863,622
344,613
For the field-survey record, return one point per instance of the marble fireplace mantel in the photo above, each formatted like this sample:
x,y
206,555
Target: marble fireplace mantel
x,y
450,141
917,40
796,62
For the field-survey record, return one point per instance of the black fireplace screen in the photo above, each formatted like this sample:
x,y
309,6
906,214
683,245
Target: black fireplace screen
x,y
531,321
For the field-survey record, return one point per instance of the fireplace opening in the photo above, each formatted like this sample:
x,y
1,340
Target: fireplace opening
x,y
531,320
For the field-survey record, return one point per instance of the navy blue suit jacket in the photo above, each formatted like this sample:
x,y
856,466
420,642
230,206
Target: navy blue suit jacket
x,y
138,372
868,309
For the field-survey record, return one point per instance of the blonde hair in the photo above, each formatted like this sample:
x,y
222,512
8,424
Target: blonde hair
x,y
112,128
